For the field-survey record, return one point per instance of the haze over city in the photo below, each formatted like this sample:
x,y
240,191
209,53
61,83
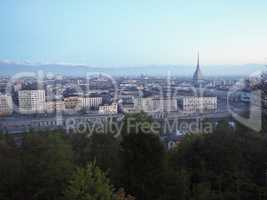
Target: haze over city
x,y
134,33
133,100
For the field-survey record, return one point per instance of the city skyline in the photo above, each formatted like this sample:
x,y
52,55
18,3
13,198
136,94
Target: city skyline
x,y
133,100
117,33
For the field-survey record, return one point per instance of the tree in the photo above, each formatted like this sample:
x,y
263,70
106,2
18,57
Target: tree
x,y
89,183
36,166
136,123
102,148
226,164
143,160
46,163
9,168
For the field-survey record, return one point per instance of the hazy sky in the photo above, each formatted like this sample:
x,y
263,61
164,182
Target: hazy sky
x,y
134,32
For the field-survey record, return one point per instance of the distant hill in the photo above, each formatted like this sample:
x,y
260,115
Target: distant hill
x,y
9,68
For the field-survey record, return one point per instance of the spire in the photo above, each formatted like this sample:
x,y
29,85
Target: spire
x,y
198,60
197,77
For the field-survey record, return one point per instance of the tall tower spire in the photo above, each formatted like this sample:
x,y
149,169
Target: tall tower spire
x,y
197,77
198,59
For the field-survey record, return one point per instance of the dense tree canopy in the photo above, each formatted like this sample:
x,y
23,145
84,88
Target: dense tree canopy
x,y
230,163
38,167
89,183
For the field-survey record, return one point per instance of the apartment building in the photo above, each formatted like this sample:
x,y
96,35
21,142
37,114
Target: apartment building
x,y
196,104
31,101
6,105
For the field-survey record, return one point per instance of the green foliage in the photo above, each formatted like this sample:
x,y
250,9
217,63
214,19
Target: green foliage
x,y
143,162
230,163
9,168
48,159
102,148
224,165
38,168
138,123
89,183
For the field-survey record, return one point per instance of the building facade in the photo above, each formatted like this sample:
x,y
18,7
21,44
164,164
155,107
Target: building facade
x,y
195,104
108,109
156,104
128,108
55,106
73,103
31,101
6,105
89,102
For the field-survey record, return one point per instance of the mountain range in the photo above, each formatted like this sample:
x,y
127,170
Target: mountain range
x,y
12,68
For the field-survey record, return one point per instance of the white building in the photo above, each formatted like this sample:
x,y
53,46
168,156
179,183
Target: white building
x,y
194,104
31,101
76,103
55,106
108,109
143,104
89,102
6,105
165,104
156,104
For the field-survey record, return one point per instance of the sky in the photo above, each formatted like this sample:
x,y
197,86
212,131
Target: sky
x,y
133,32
